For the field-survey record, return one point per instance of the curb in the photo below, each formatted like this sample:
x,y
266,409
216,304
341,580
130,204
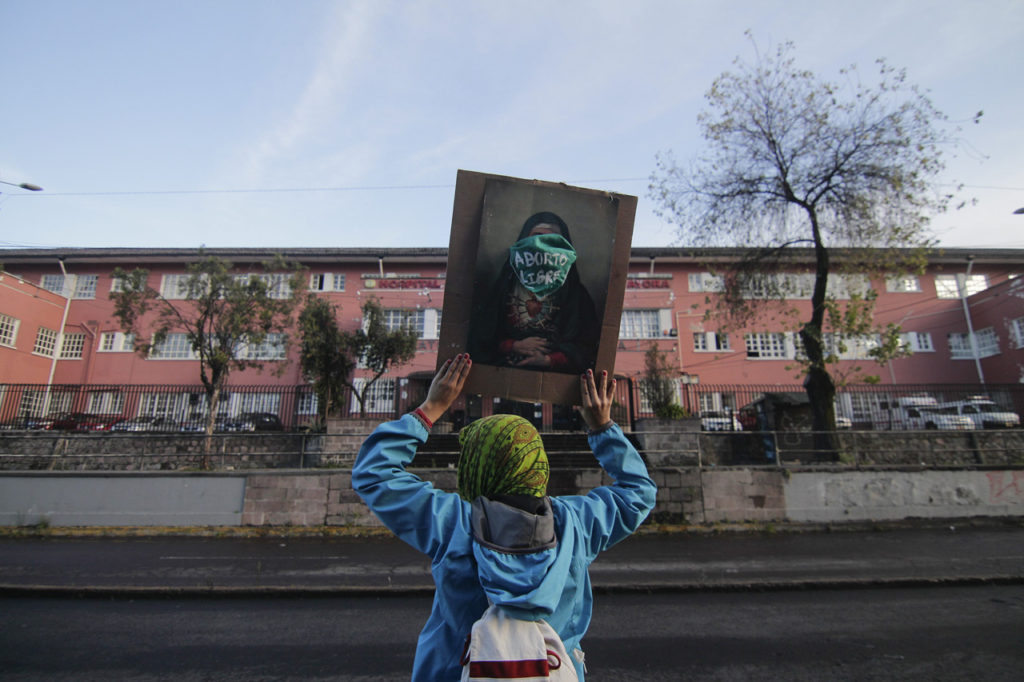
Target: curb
x,y
298,591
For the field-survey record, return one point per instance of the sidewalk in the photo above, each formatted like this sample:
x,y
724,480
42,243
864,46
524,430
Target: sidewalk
x,y
735,560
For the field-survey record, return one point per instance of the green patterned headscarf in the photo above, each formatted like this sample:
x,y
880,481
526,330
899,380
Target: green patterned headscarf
x,y
502,455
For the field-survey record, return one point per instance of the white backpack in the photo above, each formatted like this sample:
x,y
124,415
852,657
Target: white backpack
x,y
503,648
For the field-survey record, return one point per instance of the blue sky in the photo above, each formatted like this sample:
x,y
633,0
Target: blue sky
x,y
145,121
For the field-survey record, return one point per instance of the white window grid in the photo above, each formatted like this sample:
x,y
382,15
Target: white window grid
x,y
705,282
85,285
856,347
272,348
380,397
640,324
105,402
710,341
174,286
767,345
918,342
902,284
116,342
167,404
717,402
948,286
307,403
986,340
46,342
1017,331
259,402
8,330
327,281
400,318
175,346
39,404
71,346
645,401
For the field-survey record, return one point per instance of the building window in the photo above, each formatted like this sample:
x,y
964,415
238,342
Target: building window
x,y
85,285
71,347
327,281
272,348
986,340
46,342
259,402
398,318
174,286
902,284
918,342
701,282
844,286
710,341
640,324
116,342
105,402
854,347
380,398
307,403
1017,331
948,286
174,347
8,330
767,345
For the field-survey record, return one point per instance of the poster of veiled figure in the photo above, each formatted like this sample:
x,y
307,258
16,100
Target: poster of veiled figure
x,y
535,281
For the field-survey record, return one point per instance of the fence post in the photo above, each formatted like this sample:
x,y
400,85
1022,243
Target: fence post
x,y
778,453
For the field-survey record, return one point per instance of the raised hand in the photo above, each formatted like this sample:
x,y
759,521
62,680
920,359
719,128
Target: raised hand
x,y
446,386
598,396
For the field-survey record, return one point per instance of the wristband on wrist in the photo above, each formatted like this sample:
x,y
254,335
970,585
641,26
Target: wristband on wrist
x,y
419,414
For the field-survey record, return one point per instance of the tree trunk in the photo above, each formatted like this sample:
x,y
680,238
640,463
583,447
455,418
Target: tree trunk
x,y
821,390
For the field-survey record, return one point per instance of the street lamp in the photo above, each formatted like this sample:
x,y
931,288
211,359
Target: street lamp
x,y
24,185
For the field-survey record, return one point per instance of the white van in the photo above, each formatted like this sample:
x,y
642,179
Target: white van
x,y
985,413
914,413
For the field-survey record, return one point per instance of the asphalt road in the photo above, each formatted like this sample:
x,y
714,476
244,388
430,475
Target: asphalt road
x,y
924,633
687,561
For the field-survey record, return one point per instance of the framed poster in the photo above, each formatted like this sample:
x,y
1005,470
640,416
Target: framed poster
x,y
535,281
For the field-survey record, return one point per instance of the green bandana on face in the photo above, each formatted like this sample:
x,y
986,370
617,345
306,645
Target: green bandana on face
x,y
502,455
542,262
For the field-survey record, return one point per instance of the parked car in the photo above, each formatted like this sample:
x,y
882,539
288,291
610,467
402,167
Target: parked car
x,y
259,421
136,424
719,421
916,413
27,424
83,421
985,413
843,423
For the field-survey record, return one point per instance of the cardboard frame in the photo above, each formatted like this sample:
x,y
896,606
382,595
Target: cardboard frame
x,y
471,256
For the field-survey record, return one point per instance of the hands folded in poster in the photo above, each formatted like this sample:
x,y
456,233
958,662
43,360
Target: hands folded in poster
x,y
535,350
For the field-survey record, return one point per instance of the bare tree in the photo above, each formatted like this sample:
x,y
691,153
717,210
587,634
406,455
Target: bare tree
x,y
846,169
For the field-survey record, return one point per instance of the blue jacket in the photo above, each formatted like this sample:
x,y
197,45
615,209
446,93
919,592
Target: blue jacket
x,y
546,580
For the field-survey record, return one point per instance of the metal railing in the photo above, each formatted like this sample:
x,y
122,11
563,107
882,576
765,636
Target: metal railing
x,y
170,407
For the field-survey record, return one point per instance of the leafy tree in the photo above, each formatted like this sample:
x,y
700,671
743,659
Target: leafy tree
x,y
321,357
375,348
848,169
658,385
232,320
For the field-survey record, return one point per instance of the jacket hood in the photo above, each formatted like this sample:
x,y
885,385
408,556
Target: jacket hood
x,y
520,563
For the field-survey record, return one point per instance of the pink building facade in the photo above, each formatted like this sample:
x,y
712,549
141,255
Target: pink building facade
x,y
666,304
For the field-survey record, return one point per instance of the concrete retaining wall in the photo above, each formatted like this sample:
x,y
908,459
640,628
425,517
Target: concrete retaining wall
x,y
690,495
